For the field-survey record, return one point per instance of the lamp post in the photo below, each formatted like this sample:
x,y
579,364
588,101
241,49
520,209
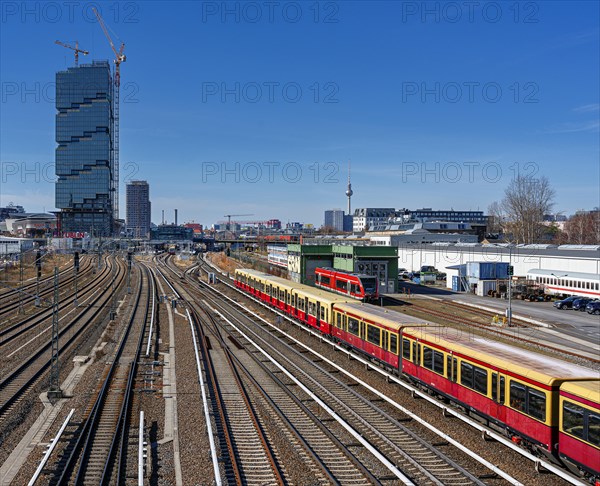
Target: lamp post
x,y
510,276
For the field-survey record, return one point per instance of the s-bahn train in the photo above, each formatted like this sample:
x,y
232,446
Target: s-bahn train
x,y
354,285
546,405
555,282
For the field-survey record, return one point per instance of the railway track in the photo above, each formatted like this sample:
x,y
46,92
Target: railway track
x,y
19,329
99,452
386,448
13,387
26,296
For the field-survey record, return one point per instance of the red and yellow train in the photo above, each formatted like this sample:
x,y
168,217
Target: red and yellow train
x,y
549,406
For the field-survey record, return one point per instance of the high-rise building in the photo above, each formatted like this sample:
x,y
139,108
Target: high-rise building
x,y
87,177
138,209
334,218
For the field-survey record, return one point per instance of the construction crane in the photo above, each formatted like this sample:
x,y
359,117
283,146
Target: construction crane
x,y
76,49
228,216
119,58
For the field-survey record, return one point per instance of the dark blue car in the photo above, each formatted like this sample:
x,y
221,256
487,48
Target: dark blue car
x,y
566,303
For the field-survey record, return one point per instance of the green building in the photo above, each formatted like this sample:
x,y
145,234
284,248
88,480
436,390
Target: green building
x,y
380,261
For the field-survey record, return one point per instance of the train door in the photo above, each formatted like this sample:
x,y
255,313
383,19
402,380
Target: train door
x,y
318,316
498,396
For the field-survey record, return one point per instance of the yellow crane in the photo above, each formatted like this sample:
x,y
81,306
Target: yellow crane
x,y
76,49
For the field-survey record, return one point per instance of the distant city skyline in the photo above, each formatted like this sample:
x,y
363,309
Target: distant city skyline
x,y
226,114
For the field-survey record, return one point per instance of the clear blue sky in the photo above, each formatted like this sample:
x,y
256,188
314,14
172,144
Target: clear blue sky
x,y
258,108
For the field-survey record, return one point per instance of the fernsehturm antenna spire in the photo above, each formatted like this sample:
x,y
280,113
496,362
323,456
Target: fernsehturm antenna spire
x,y
349,191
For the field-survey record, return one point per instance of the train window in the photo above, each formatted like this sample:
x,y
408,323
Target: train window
x,y
322,316
466,374
338,319
517,396
594,428
325,280
449,367
427,357
495,387
438,362
394,343
341,285
415,354
282,295
536,404
374,335
405,348
384,340
573,419
312,309
352,326
502,388
480,380
454,369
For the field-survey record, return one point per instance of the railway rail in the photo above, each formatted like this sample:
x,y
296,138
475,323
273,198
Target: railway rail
x,y
99,454
13,387
540,464
381,441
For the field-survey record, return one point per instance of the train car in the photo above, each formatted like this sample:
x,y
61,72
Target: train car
x,y
275,291
579,432
514,389
559,283
354,285
307,304
314,307
372,330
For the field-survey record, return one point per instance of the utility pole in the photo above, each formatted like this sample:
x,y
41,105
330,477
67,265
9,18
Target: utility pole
x,y
76,270
129,255
510,276
55,391
21,280
38,273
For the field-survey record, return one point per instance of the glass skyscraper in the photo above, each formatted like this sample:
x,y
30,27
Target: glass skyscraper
x,y
138,209
87,182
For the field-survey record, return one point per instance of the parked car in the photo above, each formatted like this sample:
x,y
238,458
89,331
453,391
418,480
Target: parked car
x,y
593,307
579,304
403,273
566,303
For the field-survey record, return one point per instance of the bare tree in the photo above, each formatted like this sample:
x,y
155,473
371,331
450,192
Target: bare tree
x,y
496,218
583,228
525,202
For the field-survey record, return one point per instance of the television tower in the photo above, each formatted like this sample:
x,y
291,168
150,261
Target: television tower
x,y
349,191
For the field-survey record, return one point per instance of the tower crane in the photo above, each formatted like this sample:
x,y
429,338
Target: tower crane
x,y
228,216
76,49
119,58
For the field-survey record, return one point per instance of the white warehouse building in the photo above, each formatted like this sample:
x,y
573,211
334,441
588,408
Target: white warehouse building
x,y
563,259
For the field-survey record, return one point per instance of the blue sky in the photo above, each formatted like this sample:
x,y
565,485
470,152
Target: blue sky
x,y
257,107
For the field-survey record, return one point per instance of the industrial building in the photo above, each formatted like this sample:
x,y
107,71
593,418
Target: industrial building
x,y
138,209
87,184
447,257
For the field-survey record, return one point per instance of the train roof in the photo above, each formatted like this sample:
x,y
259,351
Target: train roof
x,y
590,390
343,272
562,274
322,295
535,366
389,318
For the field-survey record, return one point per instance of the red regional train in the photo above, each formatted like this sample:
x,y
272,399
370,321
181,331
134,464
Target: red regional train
x,y
546,405
354,285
